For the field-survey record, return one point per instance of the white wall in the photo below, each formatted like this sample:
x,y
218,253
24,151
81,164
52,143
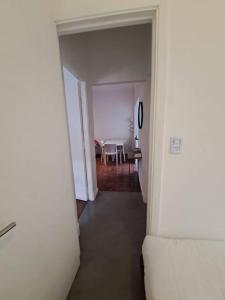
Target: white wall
x,y
40,256
112,55
194,181
74,54
113,107
119,54
189,188
140,91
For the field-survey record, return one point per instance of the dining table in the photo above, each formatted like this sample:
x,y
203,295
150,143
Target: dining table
x,y
119,142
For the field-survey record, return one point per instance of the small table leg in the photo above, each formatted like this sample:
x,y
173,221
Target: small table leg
x,y
129,167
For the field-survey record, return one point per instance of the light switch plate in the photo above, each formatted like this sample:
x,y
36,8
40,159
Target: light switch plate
x,y
175,145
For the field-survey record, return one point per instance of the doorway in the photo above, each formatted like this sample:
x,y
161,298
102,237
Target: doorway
x,y
116,65
141,15
113,213
114,106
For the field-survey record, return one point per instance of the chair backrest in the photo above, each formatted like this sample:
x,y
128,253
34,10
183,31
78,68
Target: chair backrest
x,y
110,149
101,143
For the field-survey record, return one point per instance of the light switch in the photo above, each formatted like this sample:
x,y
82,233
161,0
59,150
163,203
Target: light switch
x,y
175,145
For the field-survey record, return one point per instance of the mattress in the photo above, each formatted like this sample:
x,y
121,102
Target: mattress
x,y
184,269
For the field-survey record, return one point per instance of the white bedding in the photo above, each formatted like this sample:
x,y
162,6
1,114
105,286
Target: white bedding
x,y
184,269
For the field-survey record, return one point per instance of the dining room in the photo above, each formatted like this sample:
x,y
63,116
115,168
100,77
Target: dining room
x,y
116,135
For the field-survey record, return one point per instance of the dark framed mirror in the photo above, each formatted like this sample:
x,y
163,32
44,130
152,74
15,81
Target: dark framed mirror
x,y
140,115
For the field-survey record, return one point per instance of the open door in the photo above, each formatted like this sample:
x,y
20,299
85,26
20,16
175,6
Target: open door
x,y
76,133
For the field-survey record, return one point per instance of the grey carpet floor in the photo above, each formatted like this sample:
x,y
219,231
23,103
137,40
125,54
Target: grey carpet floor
x,y
112,230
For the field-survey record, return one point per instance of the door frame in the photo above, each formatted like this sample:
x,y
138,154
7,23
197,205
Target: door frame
x,y
92,191
155,14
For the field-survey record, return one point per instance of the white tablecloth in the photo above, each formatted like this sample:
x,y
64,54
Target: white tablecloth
x,y
118,142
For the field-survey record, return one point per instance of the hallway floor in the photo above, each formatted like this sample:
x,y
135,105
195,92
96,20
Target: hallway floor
x,y
112,230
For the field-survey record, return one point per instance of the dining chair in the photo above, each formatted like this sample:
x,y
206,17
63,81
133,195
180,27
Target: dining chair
x,y
102,144
121,153
110,150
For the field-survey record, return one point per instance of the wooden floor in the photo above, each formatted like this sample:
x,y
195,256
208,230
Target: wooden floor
x,y
116,178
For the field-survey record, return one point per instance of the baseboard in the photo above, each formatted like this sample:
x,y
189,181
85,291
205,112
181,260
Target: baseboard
x,y
82,194
96,192
78,228
93,194
144,196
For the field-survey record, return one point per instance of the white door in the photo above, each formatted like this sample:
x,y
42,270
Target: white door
x,y
75,124
87,112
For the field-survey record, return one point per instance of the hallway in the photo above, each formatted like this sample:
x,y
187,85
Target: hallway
x,y
112,230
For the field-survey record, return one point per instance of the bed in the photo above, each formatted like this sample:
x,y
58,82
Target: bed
x,y
184,269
